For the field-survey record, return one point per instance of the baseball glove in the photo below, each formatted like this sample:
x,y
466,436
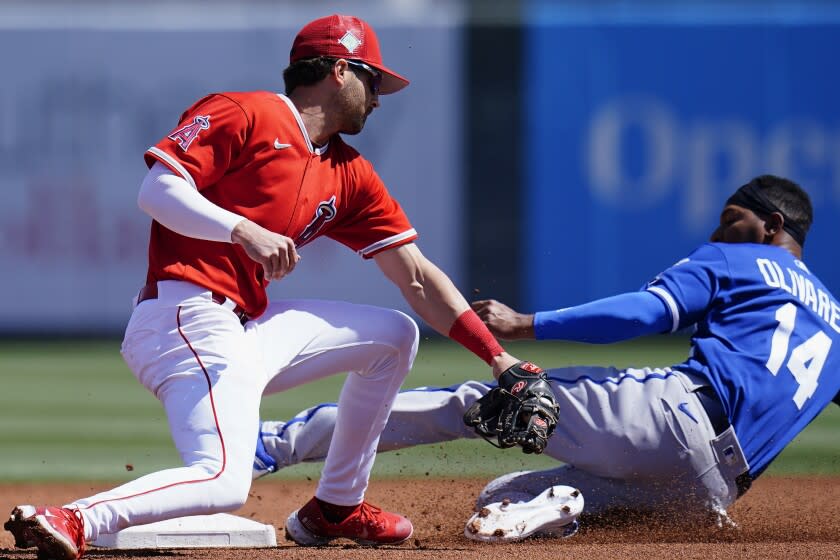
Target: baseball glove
x,y
522,410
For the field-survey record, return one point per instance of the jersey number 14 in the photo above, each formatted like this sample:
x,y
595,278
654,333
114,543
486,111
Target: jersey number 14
x,y
806,360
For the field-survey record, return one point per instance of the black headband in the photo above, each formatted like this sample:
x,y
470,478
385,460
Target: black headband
x,y
751,197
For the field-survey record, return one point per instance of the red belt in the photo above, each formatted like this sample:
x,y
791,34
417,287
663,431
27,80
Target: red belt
x,y
150,291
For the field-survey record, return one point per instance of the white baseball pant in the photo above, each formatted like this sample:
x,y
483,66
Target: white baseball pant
x,y
210,373
636,438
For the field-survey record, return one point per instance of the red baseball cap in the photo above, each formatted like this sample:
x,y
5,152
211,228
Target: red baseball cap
x,y
345,37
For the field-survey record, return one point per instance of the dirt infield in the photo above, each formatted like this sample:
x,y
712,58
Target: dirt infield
x,y
779,518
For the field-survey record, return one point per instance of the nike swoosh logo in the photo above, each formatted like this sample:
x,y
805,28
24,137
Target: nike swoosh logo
x,y
279,146
683,406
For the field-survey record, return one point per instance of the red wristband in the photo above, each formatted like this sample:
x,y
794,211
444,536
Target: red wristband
x,y
472,334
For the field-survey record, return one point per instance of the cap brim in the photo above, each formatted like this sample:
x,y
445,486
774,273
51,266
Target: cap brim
x,y
391,81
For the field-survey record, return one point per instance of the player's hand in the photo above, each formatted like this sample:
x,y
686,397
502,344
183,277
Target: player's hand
x,y
276,253
503,321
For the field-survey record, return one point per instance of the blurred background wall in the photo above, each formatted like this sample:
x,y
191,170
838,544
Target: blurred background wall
x,y
547,152
641,120
88,86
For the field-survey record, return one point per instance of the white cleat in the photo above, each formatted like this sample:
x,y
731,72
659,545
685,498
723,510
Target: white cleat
x,y
722,520
553,513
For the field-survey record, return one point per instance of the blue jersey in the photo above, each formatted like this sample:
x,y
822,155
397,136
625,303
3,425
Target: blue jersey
x,y
767,338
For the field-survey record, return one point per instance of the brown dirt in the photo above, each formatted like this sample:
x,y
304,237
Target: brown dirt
x,y
779,518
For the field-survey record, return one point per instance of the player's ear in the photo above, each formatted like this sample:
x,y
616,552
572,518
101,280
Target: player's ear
x,y
774,223
339,71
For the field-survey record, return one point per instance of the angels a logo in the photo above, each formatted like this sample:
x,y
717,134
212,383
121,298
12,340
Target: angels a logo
x,y
325,212
189,132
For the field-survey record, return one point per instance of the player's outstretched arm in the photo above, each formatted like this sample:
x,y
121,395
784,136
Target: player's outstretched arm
x,y
503,321
602,321
434,297
523,392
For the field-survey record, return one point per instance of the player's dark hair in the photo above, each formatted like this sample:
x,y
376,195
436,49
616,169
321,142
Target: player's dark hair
x,y
307,72
790,198
768,194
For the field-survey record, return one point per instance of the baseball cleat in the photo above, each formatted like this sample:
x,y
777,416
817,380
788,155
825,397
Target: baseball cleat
x,y
551,514
367,525
59,533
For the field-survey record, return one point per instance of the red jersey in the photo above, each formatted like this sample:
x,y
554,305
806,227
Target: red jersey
x,y
250,153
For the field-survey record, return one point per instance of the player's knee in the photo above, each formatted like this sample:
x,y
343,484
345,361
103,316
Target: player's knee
x,y
401,331
226,489
392,338
230,492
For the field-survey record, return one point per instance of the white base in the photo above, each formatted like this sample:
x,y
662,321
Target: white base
x,y
199,531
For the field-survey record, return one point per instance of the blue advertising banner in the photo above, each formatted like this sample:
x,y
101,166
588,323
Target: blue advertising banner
x,y
639,132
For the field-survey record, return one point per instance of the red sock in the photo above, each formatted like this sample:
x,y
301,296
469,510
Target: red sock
x,y
334,513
